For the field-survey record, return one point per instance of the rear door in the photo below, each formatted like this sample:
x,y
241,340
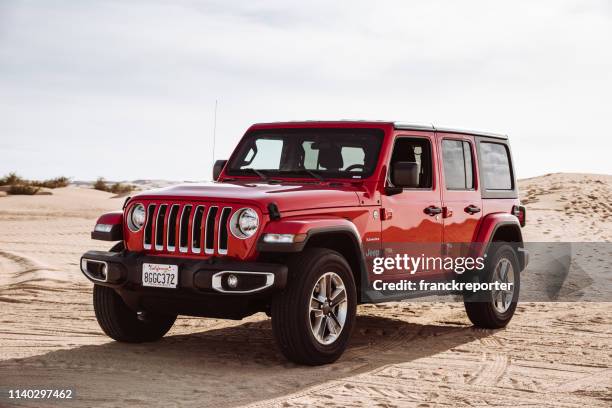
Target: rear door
x,y
461,198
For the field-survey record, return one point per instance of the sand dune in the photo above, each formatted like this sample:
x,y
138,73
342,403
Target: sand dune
x,y
568,207
407,354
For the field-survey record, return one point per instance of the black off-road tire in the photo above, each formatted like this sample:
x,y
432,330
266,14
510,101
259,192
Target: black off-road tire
x,y
290,308
479,307
121,323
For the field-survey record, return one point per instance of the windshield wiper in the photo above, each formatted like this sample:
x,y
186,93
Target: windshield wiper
x,y
315,175
260,173
309,172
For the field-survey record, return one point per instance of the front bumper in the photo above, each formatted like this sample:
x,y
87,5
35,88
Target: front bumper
x,y
123,270
201,289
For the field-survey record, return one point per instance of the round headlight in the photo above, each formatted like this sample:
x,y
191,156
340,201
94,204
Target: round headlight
x,y
136,219
244,223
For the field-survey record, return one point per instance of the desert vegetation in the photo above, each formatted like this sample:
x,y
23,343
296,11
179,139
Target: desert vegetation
x,y
14,184
115,188
17,185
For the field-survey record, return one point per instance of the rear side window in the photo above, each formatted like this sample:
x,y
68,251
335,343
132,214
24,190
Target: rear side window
x,y
495,166
458,168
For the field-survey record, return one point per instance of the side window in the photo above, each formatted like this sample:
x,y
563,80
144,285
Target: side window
x,y
458,167
415,150
496,174
265,155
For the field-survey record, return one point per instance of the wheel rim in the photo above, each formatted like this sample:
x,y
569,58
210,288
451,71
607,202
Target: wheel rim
x,y
328,308
503,273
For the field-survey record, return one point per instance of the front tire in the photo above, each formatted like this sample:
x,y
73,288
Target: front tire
x,y
313,318
494,309
121,323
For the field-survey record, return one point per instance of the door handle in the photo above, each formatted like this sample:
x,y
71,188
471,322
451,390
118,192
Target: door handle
x,y
472,209
432,210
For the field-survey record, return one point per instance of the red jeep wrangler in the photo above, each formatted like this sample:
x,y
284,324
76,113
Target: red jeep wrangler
x,y
291,224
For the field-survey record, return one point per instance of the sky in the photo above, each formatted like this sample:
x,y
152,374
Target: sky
x,y
126,89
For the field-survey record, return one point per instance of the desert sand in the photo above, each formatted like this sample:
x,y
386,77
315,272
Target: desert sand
x,y
402,354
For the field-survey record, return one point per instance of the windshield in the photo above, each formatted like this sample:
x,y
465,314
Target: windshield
x,y
310,153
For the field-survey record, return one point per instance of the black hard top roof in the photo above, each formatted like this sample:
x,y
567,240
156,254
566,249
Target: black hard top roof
x,y
396,125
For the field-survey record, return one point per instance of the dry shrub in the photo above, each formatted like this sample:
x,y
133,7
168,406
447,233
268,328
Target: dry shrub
x,y
119,188
116,188
23,189
52,183
100,184
12,179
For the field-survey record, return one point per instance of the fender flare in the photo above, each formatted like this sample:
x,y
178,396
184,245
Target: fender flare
x,y
112,233
312,228
489,227
307,227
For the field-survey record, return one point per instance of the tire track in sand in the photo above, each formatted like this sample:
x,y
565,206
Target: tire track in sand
x,y
496,363
19,269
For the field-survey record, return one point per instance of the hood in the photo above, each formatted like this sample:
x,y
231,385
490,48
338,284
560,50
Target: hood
x,y
288,197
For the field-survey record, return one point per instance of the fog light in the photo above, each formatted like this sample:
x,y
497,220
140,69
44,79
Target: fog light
x,y
232,281
103,272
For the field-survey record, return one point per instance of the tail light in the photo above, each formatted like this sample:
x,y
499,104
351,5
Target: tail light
x,y
520,212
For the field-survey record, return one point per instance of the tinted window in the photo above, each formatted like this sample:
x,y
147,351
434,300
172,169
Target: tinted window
x,y
458,169
415,150
353,157
495,165
265,154
310,153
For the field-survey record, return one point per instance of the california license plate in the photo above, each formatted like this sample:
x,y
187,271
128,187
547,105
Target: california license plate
x,y
159,276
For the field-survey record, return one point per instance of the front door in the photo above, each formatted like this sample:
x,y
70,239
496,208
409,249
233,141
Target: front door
x,y
412,219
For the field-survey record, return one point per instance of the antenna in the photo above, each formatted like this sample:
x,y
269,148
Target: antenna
x,y
214,133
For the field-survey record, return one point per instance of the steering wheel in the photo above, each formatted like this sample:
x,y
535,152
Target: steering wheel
x,y
353,167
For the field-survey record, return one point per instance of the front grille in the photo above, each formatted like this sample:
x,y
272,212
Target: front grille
x,y
209,233
187,228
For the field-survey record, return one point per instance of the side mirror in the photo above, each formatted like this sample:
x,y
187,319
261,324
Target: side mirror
x,y
217,168
405,174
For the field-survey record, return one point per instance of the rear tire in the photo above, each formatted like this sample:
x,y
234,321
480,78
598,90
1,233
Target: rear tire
x,y
313,317
121,323
491,309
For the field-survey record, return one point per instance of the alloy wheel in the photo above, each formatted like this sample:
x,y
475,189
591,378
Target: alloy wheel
x,y
328,308
503,273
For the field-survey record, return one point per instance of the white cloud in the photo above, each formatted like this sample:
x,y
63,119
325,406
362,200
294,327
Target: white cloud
x,y
127,89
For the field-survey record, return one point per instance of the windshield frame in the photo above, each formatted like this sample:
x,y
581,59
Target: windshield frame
x,y
231,169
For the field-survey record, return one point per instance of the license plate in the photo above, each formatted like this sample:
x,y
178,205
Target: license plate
x,y
159,276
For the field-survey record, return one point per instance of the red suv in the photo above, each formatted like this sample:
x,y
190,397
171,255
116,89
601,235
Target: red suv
x,y
291,225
